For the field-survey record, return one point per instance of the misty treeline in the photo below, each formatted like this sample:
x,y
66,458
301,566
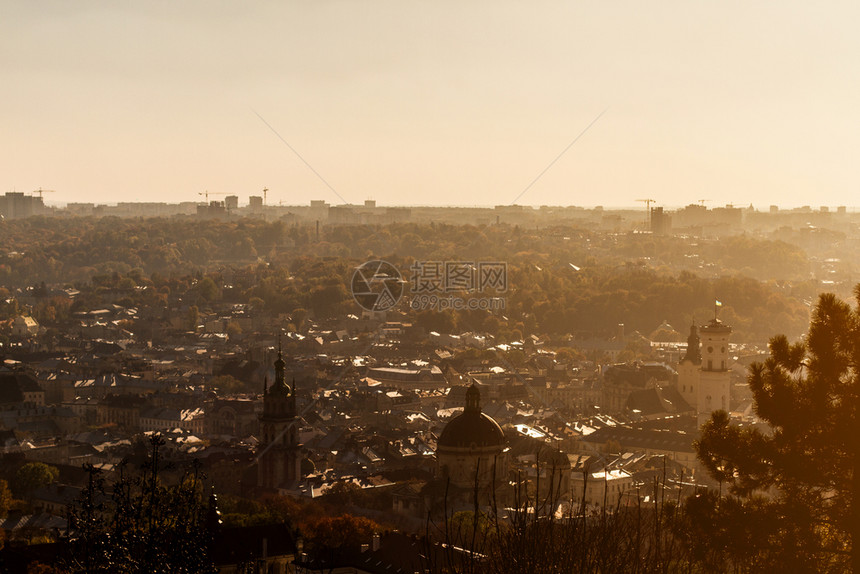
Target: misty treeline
x,y
73,249
278,268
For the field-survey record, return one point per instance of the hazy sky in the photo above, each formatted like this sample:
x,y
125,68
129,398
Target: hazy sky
x,y
432,102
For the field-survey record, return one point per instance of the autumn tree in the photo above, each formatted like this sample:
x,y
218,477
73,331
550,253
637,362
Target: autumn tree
x,y
208,290
808,393
233,329
34,475
5,498
330,538
192,317
229,385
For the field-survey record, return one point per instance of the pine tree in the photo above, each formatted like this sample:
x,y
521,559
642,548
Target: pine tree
x,y
808,459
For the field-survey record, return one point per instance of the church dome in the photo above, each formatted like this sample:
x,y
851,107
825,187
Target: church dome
x,y
472,428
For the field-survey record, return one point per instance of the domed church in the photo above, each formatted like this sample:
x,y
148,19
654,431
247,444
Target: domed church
x,y
472,447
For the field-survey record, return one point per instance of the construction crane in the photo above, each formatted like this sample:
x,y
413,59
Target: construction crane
x,y
647,203
702,202
40,191
206,194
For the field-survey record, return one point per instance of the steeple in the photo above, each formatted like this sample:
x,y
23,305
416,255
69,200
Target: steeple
x,y
279,456
280,386
279,399
473,399
693,354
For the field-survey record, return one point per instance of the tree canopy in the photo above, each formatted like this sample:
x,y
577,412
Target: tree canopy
x,y
34,475
563,279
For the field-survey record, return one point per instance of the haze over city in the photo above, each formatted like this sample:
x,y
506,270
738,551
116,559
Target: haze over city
x,y
432,103
373,287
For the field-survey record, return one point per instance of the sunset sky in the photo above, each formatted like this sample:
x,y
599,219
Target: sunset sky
x,y
432,102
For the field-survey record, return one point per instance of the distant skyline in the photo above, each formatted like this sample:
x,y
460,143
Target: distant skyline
x,y
432,103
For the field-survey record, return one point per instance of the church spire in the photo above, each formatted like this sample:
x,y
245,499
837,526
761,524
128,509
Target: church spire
x,y
280,379
279,369
473,399
693,354
279,460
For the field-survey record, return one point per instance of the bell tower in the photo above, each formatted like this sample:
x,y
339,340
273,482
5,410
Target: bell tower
x,y
714,377
278,454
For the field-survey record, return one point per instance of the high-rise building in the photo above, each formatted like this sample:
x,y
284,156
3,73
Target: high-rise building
x,y
16,205
661,222
215,210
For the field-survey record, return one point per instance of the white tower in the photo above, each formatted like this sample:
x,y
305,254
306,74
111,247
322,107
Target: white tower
x,y
714,378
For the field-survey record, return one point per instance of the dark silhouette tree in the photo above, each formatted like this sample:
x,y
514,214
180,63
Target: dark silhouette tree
x,y
809,458
330,538
141,525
